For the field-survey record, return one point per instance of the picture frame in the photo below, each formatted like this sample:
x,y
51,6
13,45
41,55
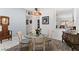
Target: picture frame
x,y
45,20
30,21
27,21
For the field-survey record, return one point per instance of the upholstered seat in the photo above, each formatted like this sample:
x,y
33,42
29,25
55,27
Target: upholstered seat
x,y
24,41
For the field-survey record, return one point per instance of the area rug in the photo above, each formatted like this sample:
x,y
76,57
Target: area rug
x,y
7,44
55,45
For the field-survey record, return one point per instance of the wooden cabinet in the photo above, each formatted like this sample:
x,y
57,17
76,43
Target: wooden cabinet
x,y
5,33
72,40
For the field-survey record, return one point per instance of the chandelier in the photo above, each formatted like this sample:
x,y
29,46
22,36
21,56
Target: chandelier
x,y
36,12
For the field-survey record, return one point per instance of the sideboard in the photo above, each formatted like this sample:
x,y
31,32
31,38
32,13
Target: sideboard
x,y
72,40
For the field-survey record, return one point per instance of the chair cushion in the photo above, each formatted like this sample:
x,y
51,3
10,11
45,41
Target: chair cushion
x,y
27,36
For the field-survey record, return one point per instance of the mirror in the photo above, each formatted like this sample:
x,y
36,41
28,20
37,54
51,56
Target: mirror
x,y
65,18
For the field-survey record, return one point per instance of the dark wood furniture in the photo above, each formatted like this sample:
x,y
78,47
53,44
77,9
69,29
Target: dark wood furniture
x,y
5,33
72,40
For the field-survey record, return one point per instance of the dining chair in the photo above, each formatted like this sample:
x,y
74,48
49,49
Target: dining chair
x,y
47,38
38,43
22,40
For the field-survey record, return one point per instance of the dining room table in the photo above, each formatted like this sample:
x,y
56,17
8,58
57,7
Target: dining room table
x,y
35,39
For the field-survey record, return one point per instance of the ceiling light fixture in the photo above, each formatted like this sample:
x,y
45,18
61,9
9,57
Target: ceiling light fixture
x,y
36,12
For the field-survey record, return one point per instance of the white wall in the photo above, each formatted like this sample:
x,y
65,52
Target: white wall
x,y
77,18
17,18
52,20
62,14
51,12
65,14
46,28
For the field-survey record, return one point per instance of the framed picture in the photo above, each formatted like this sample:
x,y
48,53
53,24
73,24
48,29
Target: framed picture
x,y
30,21
27,22
45,20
